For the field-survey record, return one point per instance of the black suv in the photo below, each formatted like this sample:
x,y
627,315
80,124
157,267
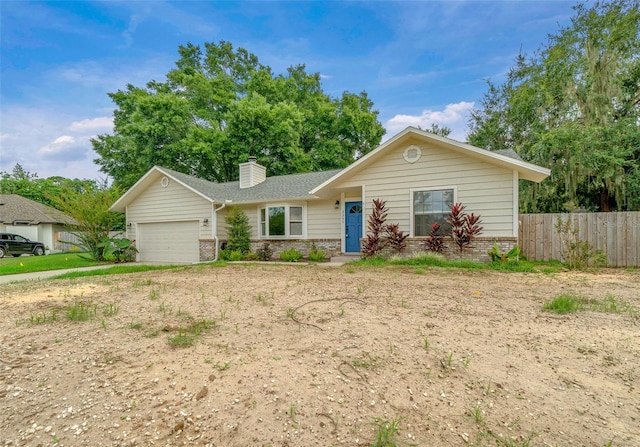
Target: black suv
x,y
16,245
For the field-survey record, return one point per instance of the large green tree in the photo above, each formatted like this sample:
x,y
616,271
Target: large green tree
x,y
574,107
219,105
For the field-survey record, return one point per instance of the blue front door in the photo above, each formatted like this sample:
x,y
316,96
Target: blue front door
x,y
353,226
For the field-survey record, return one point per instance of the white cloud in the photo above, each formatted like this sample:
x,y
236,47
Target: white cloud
x,y
58,146
88,125
454,116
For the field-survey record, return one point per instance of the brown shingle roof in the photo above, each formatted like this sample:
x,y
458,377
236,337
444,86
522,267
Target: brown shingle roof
x,y
17,208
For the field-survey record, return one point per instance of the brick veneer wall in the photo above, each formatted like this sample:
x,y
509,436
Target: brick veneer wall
x,y
479,252
330,246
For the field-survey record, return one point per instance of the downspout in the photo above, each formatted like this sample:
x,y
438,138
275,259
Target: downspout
x,y
215,233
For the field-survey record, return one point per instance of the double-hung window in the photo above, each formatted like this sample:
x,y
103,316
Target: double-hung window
x,y
431,206
281,221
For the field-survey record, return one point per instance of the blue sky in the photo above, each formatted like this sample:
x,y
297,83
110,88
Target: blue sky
x,y
421,62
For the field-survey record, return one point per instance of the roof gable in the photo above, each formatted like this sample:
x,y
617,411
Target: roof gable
x,y
505,158
14,207
283,187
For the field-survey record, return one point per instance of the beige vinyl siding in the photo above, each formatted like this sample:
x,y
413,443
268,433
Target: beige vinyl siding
x,y
173,203
484,188
245,176
323,220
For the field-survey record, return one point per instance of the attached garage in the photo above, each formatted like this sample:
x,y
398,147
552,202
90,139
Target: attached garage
x,y
175,242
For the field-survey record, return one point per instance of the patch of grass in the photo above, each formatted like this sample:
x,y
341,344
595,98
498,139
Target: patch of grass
x,y
43,317
264,299
568,303
142,282
222,366
188,335
437,260
111,309
564,304
387,433
81,311
182,339
610,304
29,264
366,361
118,270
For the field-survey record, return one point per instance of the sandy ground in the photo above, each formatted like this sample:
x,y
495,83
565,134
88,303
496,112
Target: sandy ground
x,y
316,356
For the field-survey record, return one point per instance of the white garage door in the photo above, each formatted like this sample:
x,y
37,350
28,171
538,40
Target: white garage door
x,y
169,242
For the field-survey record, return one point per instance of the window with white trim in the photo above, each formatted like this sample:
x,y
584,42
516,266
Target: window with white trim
x,y
429,207
281,221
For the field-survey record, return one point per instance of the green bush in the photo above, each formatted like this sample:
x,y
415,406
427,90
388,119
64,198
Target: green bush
x,y
578,254
238,230
265,253
317,255
224,254
291,255
235,255
497,256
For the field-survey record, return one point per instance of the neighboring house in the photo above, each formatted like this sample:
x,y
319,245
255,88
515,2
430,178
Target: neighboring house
x,y
175,217
32,220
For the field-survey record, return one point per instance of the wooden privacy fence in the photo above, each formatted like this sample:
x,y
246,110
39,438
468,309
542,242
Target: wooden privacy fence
x,y
616,234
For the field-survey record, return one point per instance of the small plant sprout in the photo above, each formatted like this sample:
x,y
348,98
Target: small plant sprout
x,y
447,361
292,412
387,433
476,413
110,309
426,344
222,366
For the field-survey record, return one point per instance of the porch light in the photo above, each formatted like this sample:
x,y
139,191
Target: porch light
x,y
337,204
205,221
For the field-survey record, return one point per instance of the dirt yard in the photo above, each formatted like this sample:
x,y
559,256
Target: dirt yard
x,y
319,356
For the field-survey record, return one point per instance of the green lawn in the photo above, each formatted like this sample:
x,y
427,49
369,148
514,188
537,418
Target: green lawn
x,y
27,264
